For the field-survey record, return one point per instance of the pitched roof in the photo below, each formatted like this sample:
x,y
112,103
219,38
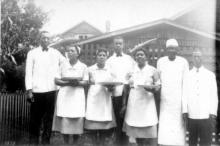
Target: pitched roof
x,y
82,28
144,26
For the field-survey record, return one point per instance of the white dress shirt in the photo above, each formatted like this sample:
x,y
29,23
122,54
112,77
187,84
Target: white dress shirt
x,y
121,66
41,69
201,94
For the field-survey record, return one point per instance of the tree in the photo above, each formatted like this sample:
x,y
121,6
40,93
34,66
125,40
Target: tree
x,y
20,31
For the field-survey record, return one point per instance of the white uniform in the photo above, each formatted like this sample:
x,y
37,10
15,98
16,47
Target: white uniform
x,y
171,126
41,69
121,66
201,96
141,108
71,100
99,102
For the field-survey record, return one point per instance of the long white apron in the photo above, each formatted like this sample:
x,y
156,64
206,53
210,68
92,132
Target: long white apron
x,y
141,108
171,127
71,100
99,102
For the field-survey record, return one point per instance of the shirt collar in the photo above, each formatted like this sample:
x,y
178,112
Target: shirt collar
x,y
198,69
122,54
138,69
41,49
75,65
97,68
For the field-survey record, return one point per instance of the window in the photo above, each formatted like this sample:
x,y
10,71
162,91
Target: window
x,y
81,37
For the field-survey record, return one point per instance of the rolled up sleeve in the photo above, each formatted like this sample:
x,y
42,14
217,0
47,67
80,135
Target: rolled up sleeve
x,y
29,71
213,96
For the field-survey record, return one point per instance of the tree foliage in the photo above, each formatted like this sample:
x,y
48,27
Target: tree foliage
x,y
20,31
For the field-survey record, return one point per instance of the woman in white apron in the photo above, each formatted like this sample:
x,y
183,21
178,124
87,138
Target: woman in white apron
x,y
141,115
70,106
100,117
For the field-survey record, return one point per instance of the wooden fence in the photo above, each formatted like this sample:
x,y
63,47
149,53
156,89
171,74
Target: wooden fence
x,y
14,117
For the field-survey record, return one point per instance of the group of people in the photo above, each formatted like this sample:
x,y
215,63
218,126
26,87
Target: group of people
x,y
122,113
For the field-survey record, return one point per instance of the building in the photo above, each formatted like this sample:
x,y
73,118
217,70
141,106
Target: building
x,y
81,31
193,28
188,38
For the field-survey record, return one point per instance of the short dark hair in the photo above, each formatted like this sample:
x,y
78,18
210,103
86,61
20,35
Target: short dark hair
x,y
141,49
102,49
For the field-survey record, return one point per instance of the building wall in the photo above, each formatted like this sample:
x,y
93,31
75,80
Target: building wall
x,y
187,42
80,36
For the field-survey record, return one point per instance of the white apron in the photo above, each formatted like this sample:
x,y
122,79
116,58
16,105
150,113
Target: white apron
x,y
141,108
71,100
171,126
99,102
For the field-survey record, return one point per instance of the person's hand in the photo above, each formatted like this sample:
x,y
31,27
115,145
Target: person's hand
x,y
73,83
128,75
212,119
110,87
157,88
30,97
149,88
122,111
185,119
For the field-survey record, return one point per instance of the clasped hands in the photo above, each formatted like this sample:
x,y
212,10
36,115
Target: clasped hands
x,y
72,83
152,88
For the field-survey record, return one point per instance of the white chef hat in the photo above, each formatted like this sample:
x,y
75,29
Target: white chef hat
x,y
172,43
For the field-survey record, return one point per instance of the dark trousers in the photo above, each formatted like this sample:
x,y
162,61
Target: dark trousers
x,y
201,129
42,110
121,138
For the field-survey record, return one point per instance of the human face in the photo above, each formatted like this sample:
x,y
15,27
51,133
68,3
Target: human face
x,y
197,60
72,52
118,45
44,41
172,51
101,57
140,57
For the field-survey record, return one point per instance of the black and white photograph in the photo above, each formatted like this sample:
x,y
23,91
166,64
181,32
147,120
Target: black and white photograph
x,y
110,73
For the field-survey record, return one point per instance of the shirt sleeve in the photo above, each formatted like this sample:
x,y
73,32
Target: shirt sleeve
x,y
158,65
63,68
29,71
213,96
185,82
63,65
86,73
156,77
130,71
185,95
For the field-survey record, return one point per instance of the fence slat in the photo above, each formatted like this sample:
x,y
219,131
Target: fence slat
x,y
14,117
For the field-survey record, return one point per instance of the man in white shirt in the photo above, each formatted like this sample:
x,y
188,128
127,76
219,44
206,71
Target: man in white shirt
x,y
173,70
42,66
200,102
121,65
